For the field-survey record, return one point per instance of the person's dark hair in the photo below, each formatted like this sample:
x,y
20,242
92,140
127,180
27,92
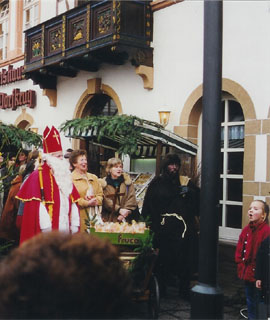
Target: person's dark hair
x,y
58,276
31,163
67,153
11,155
33,155
73,158
30,167
25,152
170,158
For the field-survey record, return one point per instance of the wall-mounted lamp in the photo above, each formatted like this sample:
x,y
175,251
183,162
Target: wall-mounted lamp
x,y
164,117
35,130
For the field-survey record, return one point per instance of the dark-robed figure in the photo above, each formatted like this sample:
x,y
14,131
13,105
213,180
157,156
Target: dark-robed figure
x,y
172,205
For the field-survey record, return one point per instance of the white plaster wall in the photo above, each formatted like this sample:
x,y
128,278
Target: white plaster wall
x,y
261,158
122,79
48,9
178,51
12,17
178,45
246,49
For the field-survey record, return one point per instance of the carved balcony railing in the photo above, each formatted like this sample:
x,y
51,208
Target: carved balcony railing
x,y
85,37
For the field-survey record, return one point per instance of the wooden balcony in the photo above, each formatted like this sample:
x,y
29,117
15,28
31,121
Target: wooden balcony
x,y
114,32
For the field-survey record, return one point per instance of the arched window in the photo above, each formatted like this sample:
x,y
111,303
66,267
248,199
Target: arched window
x,y
4,10
231,165
100,104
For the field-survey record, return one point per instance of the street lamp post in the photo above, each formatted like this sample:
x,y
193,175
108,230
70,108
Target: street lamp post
x,y
207,297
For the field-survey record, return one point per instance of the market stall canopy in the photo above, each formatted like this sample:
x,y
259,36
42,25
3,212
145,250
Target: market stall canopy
x,y
126,134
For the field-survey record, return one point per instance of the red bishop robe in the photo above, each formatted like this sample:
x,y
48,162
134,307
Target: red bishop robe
x,y
30,194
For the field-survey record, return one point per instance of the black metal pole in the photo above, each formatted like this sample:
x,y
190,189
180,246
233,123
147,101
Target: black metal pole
x,y
207,297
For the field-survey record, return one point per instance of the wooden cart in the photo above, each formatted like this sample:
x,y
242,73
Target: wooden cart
x,y
146,289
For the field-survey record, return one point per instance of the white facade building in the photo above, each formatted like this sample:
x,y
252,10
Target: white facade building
x,y
174,83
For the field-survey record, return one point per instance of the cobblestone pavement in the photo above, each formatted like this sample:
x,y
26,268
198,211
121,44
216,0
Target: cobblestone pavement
x,y
173,307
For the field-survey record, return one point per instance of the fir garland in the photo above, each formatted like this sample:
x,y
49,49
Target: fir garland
x,y
128,128
12,137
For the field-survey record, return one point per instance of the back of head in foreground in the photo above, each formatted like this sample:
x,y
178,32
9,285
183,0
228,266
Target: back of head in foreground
x,y
60,276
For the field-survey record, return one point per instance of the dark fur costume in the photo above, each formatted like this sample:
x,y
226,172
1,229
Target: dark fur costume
x,y
174,235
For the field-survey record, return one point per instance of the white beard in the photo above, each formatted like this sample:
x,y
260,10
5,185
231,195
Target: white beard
x,y
61,173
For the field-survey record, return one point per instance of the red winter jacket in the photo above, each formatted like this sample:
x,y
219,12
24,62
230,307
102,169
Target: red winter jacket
x,y
247,247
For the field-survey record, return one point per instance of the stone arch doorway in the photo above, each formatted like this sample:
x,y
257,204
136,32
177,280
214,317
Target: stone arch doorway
x,y
97,99
24,124
189,128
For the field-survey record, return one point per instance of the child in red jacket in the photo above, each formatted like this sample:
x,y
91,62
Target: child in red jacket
x,y
249,241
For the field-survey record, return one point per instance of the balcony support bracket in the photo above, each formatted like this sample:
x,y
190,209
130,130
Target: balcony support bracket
x,y
146,73
52,95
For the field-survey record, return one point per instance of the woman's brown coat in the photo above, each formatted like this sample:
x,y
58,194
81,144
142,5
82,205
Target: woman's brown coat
x,y
112,202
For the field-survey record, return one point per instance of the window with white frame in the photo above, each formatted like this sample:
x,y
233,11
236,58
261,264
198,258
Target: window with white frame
x,y
4,10
231,166
30,13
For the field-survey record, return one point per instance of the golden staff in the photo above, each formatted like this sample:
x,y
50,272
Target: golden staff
x,y
41,179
